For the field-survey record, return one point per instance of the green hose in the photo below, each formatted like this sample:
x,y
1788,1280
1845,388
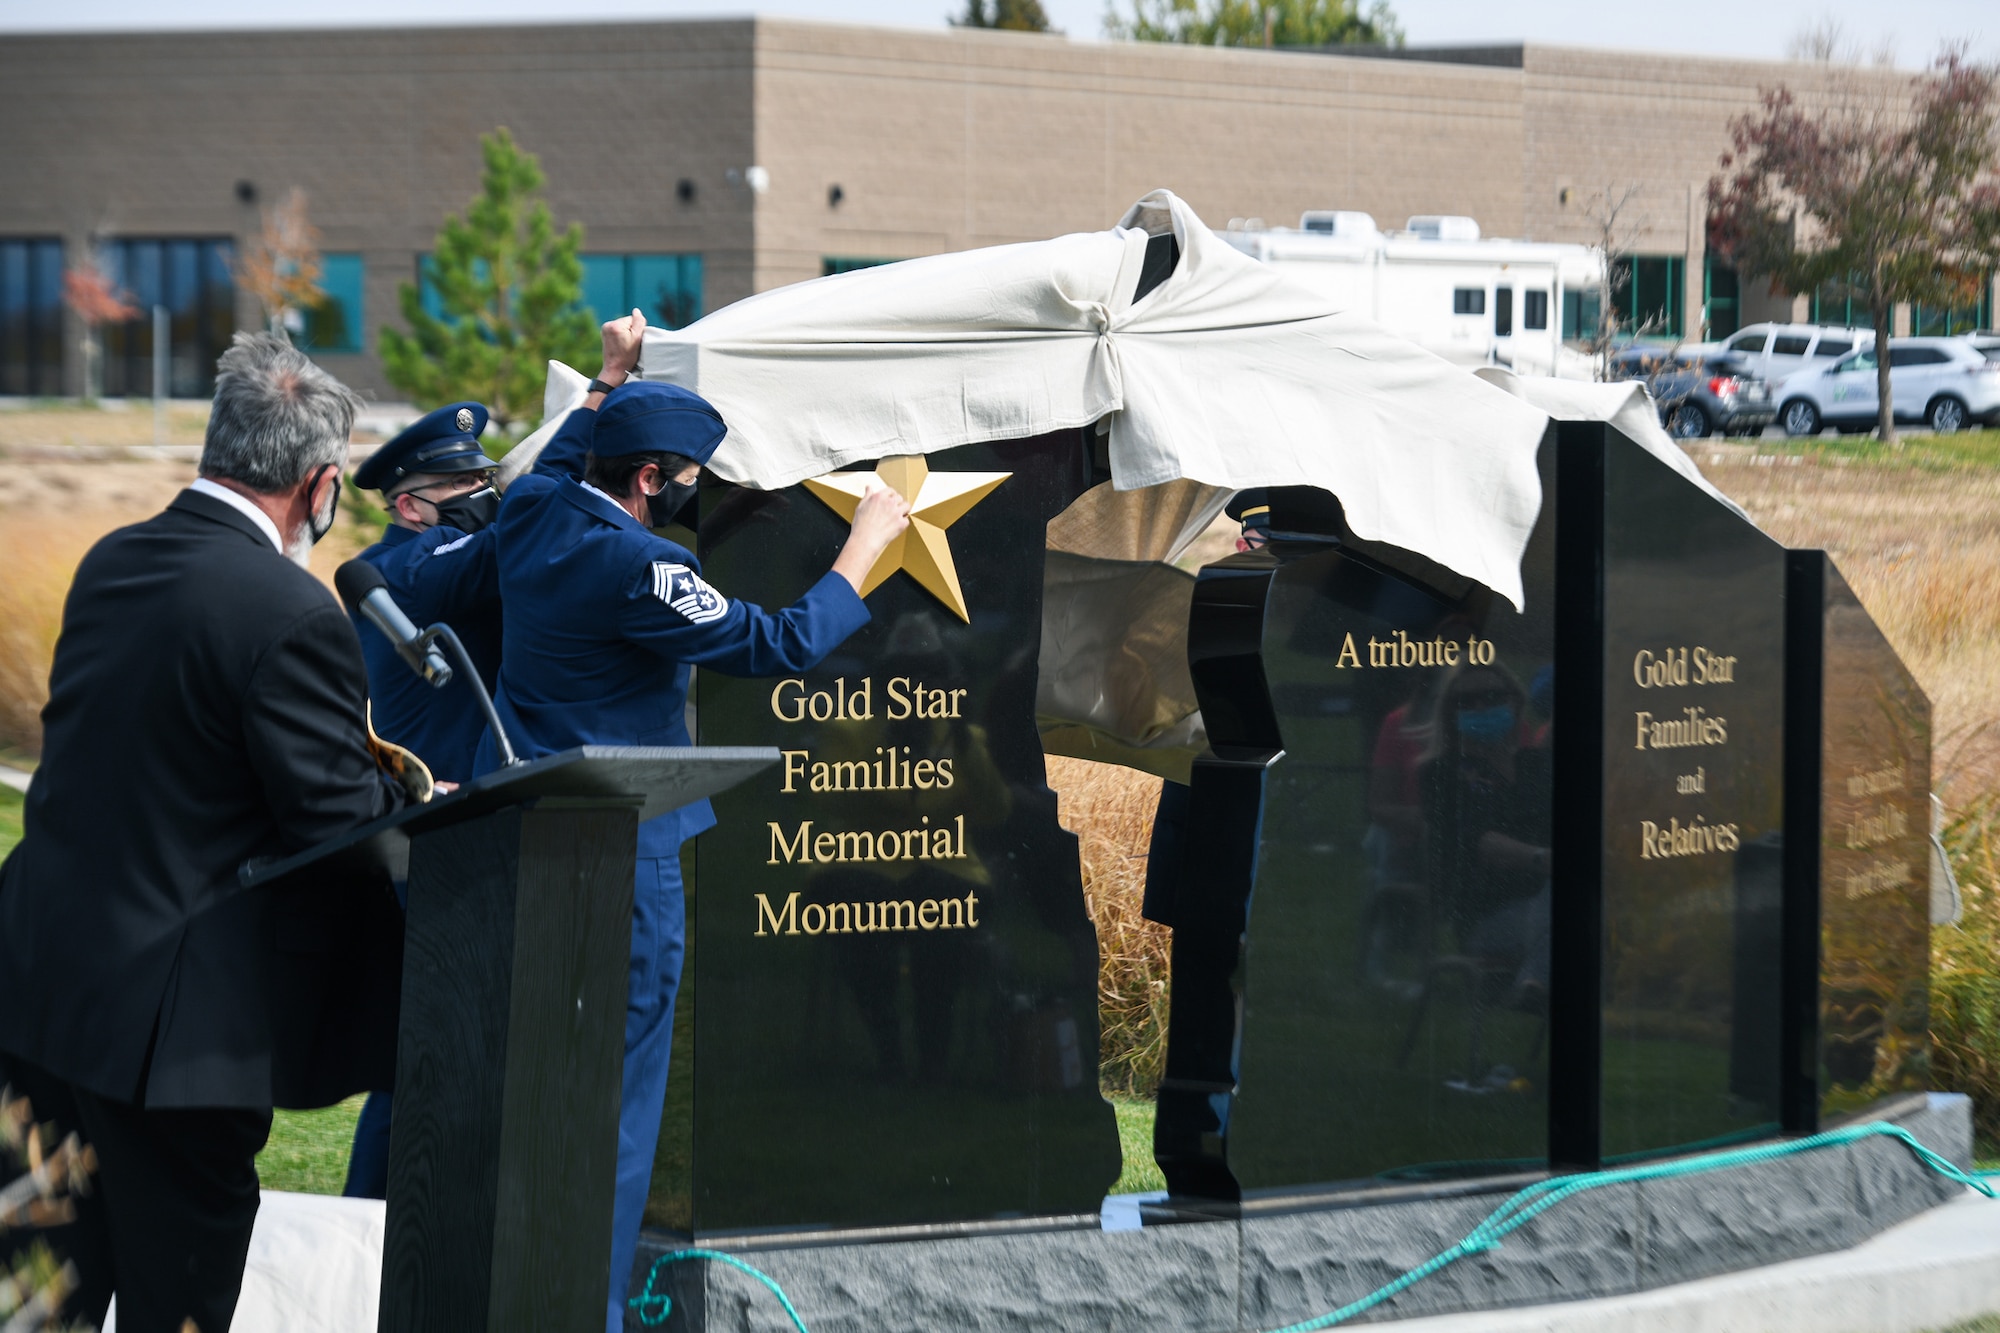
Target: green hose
x,y
1523,1207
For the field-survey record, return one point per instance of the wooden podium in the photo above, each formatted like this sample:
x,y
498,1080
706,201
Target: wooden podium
x,y
511,1036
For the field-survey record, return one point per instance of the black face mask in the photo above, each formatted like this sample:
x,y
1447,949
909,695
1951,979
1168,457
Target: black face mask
x,y
469,512
320,524
661,508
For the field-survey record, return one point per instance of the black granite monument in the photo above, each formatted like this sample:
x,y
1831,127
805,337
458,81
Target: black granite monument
x,y
895,978
1481,891
1857,857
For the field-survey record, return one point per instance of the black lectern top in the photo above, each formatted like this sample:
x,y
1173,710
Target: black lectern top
x,y
655,779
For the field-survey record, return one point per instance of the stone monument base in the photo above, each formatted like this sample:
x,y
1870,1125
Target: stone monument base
x,y
1286,1260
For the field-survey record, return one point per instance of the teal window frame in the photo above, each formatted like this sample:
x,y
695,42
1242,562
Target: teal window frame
x,y
1721,298
1930,321
664,285
1653,285
830,265
31,341
1581,310
336,325
191,276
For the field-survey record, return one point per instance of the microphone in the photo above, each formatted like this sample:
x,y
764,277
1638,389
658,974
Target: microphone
x,y
366,594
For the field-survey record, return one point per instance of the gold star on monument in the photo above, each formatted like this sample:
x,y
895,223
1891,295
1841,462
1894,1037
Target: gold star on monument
x,y
937,500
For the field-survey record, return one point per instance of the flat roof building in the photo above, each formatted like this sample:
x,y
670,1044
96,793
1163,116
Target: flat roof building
x,y
708,160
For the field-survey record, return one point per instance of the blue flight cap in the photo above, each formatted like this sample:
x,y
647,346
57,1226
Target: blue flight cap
x,y
440,442
645,416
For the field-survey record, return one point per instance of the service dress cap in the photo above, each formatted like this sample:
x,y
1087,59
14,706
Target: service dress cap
x,y
440,442
1251,508
645,416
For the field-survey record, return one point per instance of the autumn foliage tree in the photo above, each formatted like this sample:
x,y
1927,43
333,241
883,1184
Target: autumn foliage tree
x,y
282,269
509,296
96,301
1898,201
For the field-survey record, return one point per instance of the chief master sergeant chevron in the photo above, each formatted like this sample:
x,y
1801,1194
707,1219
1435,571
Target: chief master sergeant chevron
x,y
437,560
603,621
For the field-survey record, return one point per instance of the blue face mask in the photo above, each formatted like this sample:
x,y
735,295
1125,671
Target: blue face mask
x,y
1489,725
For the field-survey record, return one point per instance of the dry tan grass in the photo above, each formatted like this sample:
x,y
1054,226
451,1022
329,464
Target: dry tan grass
x,y
51,514
1111,811
1922,551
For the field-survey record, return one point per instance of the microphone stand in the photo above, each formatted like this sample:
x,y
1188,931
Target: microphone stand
x,y
443,633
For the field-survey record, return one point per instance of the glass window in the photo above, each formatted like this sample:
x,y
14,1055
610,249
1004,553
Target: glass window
x,y
1721,295
1503,311
31,316
1790,344
1833,347
832,264
665,287
1839,303
1581,313
1534,310
1929,321
191,278
1861,360
1917,356
335,324
1747,342
1647,290
1468,300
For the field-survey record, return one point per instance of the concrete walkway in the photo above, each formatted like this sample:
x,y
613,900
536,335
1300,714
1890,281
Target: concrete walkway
x,y
1936,1270
14,777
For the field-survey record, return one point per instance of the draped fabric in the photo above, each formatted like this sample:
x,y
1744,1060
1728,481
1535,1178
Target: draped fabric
x,y
1225,374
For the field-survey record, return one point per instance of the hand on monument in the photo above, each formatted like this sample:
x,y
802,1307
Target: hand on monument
x,y
878,520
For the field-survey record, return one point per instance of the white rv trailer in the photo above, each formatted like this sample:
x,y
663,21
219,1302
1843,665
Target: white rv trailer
x,y
1474,301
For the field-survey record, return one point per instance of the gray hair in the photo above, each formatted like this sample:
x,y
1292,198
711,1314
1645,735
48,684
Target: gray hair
x,y
276,416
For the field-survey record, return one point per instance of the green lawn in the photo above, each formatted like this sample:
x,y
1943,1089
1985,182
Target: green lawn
x,y
1933,453
10,819
1135,1139
307,1153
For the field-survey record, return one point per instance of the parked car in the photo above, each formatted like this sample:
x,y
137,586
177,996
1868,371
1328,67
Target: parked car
x,y
1772,352
1697,393
1985,341
1946,382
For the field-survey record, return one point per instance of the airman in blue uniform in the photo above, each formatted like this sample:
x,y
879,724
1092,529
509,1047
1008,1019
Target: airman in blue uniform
x,y
437,558
604,619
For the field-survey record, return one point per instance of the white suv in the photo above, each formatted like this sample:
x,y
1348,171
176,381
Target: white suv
x,y
1772,351
1946,382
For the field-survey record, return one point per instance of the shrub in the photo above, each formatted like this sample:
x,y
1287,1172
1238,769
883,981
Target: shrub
x,y
1110,809
1965,971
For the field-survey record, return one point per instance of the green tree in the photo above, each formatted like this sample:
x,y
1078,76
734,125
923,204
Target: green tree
x,y
1016,15
1893,201
510,293
1257,22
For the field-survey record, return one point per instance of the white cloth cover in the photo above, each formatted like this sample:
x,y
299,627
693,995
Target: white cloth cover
x,y
1227,374
1625,404
315,1266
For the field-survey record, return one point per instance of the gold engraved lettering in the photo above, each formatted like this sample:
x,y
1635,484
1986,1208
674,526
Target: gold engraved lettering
x,y
782,923
790,851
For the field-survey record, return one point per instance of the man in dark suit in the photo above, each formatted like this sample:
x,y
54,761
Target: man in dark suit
x,y
205,707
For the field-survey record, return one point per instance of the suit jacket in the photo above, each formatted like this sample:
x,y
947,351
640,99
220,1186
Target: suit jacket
x,y
205,707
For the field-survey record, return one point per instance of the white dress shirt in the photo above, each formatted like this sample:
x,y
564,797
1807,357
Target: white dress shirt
x,y
203,486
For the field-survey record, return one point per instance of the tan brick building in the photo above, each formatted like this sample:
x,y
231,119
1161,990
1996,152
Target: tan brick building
x,y
710,160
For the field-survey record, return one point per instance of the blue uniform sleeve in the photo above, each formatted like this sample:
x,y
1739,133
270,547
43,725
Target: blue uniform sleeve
x,y
446,580
565,451
671,611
